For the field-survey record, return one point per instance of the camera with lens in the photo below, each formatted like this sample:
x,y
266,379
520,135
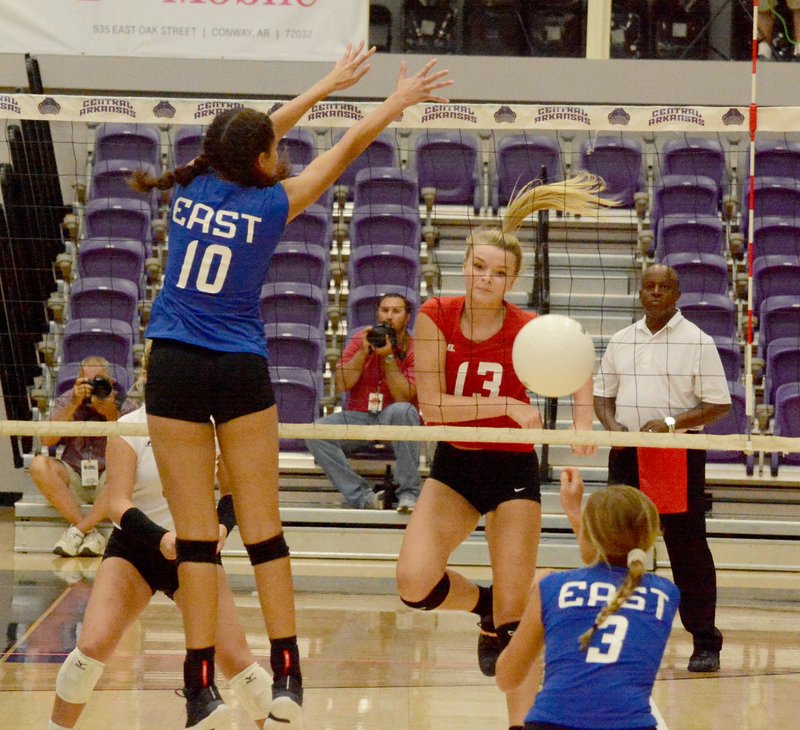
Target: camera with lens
x,y
101,387
378,333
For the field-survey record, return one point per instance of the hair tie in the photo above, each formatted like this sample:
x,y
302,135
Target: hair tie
x,y
637,555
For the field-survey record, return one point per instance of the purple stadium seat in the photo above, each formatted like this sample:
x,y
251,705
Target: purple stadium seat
x,y
297,393
295,345
385,186
776,158
520,159
111,179
140,142
68,374
775,276
105,337
119,218
297,261
782,365
679,233
287,302
700,273
773,196
378,225
314,225
99,296
362,303
618,160
715,314
731,355
776,236
449,162
122,258
188,144
384,265
298,146
779,316
381,153
689,195
694,156
734,422
786,423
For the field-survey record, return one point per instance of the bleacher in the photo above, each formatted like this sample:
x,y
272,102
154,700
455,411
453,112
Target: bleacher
x,y
399,227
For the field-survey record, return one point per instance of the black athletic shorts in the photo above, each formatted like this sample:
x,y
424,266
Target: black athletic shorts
x,y
158,572
193,383
487,478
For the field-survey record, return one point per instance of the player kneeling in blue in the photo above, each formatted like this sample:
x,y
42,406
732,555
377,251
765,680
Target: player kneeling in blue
x,y
604,627
139,560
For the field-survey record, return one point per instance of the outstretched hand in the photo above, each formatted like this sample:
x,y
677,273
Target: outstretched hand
x,y
420,87
571,491
350,68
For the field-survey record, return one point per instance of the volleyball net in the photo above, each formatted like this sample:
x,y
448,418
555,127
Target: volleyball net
x,y
82,255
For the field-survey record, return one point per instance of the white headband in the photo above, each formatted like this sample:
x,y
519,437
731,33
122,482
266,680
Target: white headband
x,y
637,555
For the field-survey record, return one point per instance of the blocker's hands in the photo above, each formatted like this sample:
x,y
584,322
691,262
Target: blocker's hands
x,y
350,68
571,491
420,87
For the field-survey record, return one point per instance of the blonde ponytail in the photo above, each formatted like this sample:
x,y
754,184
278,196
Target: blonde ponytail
x,y
578,195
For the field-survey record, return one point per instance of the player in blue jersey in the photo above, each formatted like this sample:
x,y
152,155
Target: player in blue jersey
x,y
209,359
604,627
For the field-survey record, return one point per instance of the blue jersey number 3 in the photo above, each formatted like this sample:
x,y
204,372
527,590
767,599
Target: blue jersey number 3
x,y
202,282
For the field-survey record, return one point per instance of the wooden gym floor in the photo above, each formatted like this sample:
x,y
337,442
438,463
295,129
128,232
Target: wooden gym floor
x,y
369,663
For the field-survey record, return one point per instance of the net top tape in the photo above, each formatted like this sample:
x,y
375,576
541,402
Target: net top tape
x,y
498,116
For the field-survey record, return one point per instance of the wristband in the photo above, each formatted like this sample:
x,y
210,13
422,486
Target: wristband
x,y
137,523
225,512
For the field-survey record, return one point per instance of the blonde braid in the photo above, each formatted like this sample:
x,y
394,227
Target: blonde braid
x,y
624,592
577,195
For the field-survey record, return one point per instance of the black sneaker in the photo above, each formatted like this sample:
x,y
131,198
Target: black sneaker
x,y
286,711
205,709
704,660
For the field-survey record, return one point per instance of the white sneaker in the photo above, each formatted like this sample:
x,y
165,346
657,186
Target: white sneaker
x,y
764,51
375,500
69,543
406,504
94,544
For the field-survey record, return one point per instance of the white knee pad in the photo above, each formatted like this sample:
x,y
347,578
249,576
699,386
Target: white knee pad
x,y
253,688
77,677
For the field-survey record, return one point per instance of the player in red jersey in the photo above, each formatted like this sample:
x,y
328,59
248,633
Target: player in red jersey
x,y
465,377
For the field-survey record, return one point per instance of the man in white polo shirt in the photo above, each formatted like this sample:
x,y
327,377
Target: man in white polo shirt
x,y
664,374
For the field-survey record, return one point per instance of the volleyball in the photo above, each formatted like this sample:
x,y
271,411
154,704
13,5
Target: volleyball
x,y
553,355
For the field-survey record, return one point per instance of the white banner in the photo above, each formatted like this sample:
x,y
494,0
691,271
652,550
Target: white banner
x,y
288,30
511,117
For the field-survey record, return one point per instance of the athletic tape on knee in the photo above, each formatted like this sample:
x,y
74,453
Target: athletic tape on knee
x,y
505,632
196,551
263,552
253,689
434,599
77,677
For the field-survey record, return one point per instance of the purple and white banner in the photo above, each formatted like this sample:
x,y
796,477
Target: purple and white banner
x,y
258,30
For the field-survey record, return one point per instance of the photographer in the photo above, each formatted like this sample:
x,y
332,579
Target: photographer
x,y
376,370
78,475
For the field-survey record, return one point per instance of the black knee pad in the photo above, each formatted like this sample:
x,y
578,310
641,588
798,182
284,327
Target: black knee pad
x,y
505,632
196,551
434,599
263,552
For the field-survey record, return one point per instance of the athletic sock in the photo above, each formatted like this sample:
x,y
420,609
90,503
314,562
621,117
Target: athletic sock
x,y
284,658
484,605
198,668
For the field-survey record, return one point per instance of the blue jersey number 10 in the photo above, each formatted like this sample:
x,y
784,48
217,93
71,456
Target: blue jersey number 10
x,y
202,282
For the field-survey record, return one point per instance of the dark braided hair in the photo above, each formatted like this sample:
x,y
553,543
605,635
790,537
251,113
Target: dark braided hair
x,y
232,145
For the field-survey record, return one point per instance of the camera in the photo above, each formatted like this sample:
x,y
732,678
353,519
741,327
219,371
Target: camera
x,y
378,333
101,387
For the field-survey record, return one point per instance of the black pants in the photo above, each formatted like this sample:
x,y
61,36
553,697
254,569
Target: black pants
x,y
685,537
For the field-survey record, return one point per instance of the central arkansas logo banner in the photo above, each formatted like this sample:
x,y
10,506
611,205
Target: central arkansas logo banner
x,y
257,30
